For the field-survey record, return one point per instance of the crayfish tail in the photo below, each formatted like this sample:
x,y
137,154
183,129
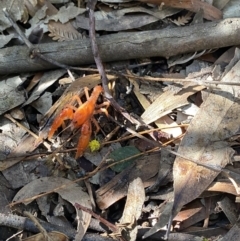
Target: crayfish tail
x,y
86,131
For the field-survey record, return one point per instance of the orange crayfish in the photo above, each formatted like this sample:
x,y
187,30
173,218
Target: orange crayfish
x,y
81,117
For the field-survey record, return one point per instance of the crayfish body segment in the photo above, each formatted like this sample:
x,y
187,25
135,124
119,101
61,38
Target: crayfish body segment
x,y
86,110
81,117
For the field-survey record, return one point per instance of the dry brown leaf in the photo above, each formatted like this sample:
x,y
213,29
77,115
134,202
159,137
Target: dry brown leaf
x,y
195,212
217,120
31,6
10,95
67,13
63,32
220,4
225,187
135,199
168,101
209,11
54,236
117,187
141,98
58,31
71,193
182,20
133,208
163,218
48,78
118,20
167,122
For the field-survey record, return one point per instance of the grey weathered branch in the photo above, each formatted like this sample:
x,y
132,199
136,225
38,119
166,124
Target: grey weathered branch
x,y
122,46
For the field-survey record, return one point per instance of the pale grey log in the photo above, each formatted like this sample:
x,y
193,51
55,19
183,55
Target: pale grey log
x,y
122,46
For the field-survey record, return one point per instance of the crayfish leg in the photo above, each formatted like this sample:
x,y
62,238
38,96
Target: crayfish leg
x,y
86,92
102,108
86,131
96,125
76,98
67,113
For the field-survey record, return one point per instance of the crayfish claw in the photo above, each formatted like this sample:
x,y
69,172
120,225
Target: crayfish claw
x,y
67,113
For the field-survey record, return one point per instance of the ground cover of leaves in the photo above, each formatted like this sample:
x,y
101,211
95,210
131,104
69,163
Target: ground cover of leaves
x,y
158,150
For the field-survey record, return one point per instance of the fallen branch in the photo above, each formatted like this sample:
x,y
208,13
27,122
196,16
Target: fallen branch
x,y
122,46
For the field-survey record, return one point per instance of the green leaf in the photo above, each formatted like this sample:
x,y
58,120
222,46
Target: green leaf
x,y
123,153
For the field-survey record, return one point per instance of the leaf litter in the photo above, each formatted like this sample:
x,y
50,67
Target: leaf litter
x,y
173,176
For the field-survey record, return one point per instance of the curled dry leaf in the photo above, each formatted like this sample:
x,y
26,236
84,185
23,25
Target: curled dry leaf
x,y
168,101
71,193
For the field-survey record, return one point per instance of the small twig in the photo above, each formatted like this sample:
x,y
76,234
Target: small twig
x,y
88,175
34,51
111,134
169,227
198,82
216,168
23,223
91,6
18,30
154,143
105,142
38,225
102,168
111,226
14,235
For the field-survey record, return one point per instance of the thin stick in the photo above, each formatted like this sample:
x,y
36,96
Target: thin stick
x,y
18,30
111,226
143,132
91,6
38,225
198,82
88,175
35,52
134,133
